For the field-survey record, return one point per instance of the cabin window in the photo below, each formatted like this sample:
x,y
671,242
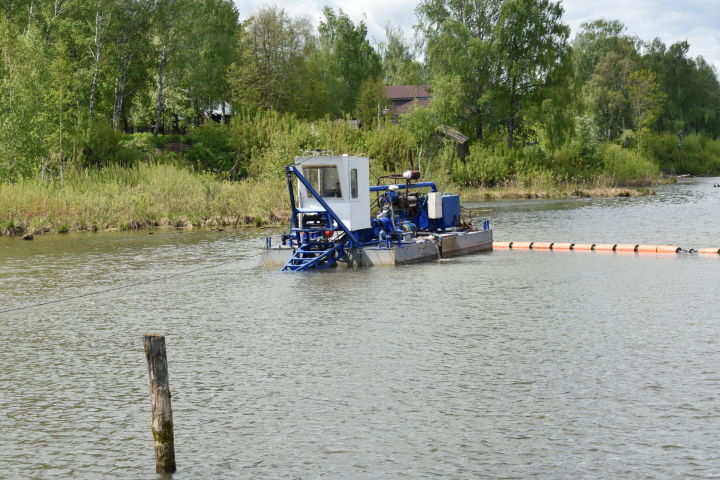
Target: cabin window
x,y
353,183
324,179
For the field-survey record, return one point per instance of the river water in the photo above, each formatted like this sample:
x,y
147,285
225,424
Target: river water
x,y
510,364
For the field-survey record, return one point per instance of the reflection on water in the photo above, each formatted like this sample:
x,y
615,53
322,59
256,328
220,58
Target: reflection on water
x,y
509,364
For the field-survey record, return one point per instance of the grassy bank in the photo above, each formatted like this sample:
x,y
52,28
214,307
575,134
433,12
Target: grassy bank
x,y
515,192
149,194
140,196
217,174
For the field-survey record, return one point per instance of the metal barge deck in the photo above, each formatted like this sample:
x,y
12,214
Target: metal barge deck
x,y
422,249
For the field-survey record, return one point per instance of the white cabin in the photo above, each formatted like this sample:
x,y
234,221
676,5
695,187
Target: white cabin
x,y
344,184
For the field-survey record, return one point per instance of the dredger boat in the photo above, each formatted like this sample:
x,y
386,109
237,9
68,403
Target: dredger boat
x,y
332,224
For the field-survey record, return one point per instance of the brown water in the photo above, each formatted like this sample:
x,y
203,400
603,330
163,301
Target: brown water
x,y
508,364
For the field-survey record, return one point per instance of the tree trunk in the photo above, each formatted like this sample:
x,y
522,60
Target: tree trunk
x,y
193,106
511,130
120,84
119,98
479,130
160,107
511,118
96,55
608,130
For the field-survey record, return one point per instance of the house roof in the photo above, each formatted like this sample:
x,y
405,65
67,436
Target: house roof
x,y
409,105
398,92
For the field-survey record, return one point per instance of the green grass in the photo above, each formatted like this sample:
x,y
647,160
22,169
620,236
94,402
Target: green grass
x,y
627,167
133,181
144,195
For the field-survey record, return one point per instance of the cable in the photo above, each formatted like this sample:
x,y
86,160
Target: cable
x,y
145,282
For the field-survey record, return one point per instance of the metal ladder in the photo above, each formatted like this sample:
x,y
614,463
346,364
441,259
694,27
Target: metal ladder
x,y
314,256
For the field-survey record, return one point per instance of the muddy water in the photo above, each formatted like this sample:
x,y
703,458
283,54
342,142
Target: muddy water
x,y
501,365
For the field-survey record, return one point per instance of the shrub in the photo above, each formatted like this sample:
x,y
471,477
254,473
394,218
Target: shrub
x,y
211,149
698,154
390,146
627,167
103,147
483,166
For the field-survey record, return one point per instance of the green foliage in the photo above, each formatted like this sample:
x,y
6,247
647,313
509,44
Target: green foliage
x,y
585,139
595,40
143,195
211,149
372,101
627,167
348,59
483,167
103,147
276,67
645,99
690,86
458,38
697,154
531,42
71,80
399,66
390,146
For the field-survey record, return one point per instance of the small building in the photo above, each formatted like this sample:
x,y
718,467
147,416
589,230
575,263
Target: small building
x,y
219,111
403,98
463,147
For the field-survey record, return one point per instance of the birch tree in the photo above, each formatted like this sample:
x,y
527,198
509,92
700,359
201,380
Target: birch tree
x,y
531,44
348,57
457,36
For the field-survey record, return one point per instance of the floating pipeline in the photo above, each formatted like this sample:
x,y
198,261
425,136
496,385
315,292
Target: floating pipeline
x,y
603,247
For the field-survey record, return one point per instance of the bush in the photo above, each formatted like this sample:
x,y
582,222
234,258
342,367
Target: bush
x,y
390,146
103,147
483,166
627,167
211,149
698,154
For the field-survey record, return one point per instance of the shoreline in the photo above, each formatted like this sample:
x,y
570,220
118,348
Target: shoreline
x,y
40,223
518,193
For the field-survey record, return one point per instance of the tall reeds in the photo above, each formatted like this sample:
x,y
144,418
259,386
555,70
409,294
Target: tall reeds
x,y
146,194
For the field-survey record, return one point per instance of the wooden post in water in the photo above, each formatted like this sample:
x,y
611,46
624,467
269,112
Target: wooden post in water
x,y
162,423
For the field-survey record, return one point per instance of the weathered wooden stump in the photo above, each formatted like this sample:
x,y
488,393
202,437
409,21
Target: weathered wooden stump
x,y
162,422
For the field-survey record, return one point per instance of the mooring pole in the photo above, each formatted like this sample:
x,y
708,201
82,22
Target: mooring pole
x,y
162,423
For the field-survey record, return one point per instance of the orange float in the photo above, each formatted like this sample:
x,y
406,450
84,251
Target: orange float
x,y
542,245
709,251
604,247
647,248
626,247
502,245
585,247
522,245
562,246
668,249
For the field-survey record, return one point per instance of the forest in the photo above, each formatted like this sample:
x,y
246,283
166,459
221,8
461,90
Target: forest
x,y
102,100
